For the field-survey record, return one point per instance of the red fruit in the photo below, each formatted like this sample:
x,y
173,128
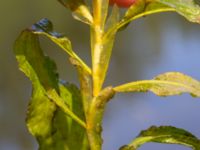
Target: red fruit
x,y
122,3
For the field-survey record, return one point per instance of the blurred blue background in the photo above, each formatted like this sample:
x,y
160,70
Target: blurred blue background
x,y
150,46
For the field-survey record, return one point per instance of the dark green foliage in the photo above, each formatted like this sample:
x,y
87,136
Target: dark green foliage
x,y
164,134
51,126
59,114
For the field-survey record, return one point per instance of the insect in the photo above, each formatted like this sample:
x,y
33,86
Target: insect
x,y
122,3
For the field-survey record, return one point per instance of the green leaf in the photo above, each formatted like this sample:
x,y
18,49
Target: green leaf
x,y
113,18
85,85
164,134
64,133
42,110
171,83
104,11
67,133
40,70
190,9
53,95
136,9
79,9
45,27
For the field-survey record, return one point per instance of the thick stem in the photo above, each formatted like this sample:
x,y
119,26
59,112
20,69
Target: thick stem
x,y
95,116
97,7
99,97
94,128
96,44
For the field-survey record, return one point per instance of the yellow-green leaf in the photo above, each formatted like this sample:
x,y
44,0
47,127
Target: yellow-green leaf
x,y
41,71
164,134
190,9
45,27
43,111
69,135
171,83
79,10
113,18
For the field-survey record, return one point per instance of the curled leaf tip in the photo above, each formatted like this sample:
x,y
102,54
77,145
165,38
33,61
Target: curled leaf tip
x,y
45,25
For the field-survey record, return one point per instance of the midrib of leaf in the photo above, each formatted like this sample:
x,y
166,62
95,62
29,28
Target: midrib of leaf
x,y
52,94
142,140
149,85
126,21
68,50
164,134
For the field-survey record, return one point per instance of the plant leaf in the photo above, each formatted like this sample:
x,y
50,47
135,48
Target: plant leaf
x,y
137,8
79,9
53,95
164,134
190,9
67,133
39,68
45,27
85,85
113,18
36,66
104,11
171,83
42,111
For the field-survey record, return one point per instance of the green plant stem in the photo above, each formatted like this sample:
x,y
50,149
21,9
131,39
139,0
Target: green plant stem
x,y
96,45
95,116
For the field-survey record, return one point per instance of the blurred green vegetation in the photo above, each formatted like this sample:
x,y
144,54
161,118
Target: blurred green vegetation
x,y
136,51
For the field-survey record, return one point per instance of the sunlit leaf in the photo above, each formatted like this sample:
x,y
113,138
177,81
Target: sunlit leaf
x,y
67,133
104,11
135,9
190,9
45,27
164,134
171,83
113,18
79,10
85,85
35,65
42,111
41,71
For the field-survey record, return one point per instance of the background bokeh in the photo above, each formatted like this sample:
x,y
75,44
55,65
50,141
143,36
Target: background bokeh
x,y
149,46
